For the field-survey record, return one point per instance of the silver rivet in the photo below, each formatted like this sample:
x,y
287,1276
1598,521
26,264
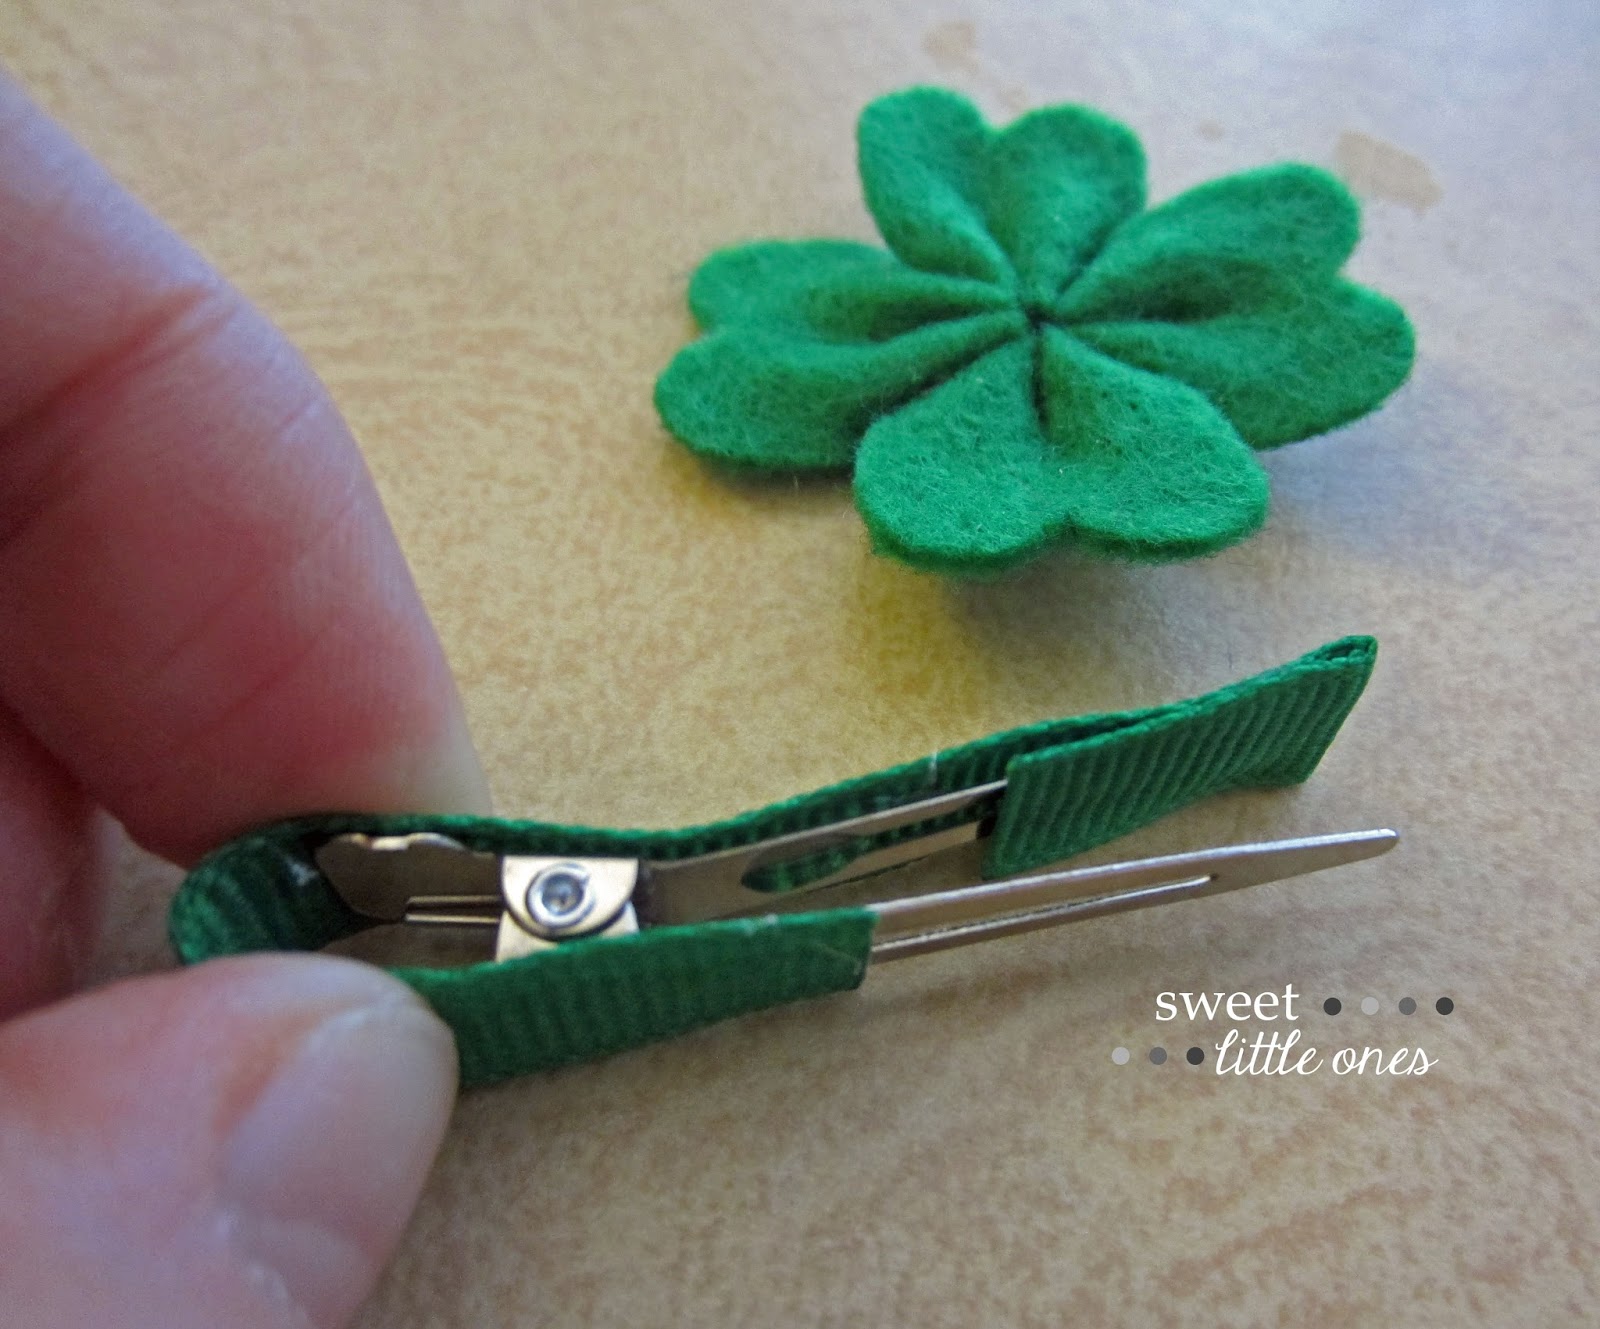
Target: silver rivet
x,y
560,897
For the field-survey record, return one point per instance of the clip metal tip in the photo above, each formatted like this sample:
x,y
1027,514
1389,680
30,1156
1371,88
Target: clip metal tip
x,y
919,925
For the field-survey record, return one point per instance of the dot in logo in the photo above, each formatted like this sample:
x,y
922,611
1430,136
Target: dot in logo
x,y
1332,1006
1444,1005
1195,1056
1408,1006
1157,1056
1120,1056
1369,1005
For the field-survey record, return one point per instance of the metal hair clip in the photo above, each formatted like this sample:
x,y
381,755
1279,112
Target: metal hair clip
x,y
539,902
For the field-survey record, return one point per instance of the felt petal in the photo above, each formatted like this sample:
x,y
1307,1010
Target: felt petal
x,y
833,290
1315,358
1214,248
962,479
749,397
922,171
1058,181
1153,468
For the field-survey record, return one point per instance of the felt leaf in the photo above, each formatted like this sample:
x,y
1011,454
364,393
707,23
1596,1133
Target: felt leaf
x,y
834,290
1214,248
1307,361
748,397
922,171
1057,182
962,479
1153,469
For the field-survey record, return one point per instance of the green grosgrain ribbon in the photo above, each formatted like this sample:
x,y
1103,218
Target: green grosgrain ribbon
x,y
1071,784
1036,360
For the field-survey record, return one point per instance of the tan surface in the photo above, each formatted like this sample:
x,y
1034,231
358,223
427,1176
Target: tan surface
x,y
479,229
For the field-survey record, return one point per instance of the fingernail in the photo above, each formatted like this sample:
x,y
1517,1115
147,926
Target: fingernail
x,y
321,1173
457,778
445,775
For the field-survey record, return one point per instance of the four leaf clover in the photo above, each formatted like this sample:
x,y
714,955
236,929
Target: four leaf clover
x,y
1037,359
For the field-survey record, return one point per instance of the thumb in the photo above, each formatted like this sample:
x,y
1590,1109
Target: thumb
x,y
240,1143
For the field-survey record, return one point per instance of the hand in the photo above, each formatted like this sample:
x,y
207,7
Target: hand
x,y
205,622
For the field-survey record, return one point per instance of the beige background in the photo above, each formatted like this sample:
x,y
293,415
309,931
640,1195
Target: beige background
x,y
479,228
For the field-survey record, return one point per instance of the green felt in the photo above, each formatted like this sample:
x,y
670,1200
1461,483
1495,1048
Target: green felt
x,y
1072,784
1200,486
1295,364
1202,253
1058,182
725,390
830,291
1027,246
921,155
913,478
1101,420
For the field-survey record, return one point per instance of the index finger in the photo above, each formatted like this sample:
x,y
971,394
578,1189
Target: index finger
x,y
205,618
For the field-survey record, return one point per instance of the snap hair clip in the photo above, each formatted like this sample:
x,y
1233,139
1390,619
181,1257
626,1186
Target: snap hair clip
x,y
609,939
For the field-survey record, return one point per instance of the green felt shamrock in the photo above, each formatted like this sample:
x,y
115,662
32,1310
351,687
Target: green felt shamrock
x,y
1037,359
